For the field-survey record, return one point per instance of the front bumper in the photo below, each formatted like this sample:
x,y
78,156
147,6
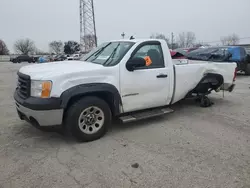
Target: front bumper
x,y
38,111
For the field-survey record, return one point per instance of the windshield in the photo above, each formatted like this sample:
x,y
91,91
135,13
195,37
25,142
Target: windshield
x,y
108,54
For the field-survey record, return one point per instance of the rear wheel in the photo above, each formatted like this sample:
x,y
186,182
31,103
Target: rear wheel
x,y
88,119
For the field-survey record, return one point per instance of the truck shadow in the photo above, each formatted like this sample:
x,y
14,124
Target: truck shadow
x,y
186,107
55,135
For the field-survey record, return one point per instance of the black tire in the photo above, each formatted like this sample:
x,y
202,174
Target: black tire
x,y
247,71
73,115
205,102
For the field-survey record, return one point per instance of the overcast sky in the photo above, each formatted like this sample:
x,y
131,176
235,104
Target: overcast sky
x,y
47,20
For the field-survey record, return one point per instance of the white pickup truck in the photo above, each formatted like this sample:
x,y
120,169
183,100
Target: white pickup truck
x,y
126,79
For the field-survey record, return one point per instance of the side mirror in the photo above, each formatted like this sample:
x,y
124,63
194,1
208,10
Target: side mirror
x,y
134,63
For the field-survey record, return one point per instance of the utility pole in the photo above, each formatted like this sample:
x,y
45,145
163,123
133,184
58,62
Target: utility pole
x,y
172,40
88,39
123,35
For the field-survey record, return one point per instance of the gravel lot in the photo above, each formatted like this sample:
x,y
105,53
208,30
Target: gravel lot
x,y
193,147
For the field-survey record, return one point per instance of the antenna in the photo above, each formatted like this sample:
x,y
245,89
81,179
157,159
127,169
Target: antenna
x,y
88,39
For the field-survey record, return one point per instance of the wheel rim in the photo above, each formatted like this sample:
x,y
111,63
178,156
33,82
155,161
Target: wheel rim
x,y
91,120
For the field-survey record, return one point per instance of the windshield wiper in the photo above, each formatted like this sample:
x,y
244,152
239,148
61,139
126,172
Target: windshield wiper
x,y
96,53
111,55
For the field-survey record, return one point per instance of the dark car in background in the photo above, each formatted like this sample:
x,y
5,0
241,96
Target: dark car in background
x,y
60,58
223,54
23,58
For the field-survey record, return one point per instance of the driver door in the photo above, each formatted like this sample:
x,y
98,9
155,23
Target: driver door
x,y
147,86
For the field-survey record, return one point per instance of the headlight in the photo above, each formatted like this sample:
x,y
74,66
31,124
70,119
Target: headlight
x,y
40,88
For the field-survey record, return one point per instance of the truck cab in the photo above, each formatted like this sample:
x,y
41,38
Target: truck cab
x,y
125,79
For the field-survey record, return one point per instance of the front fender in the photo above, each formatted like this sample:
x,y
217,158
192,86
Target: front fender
x,y
86,89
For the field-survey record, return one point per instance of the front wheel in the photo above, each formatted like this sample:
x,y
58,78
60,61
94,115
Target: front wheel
x,y
88,119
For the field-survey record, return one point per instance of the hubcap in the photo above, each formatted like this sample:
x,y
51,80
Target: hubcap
x,y
91,120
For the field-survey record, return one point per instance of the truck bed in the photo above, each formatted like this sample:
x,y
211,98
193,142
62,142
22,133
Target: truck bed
x,y
188,73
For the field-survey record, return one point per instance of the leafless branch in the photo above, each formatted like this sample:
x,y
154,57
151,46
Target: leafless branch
x,y
56,46
24,46
3,48
186,39
230,40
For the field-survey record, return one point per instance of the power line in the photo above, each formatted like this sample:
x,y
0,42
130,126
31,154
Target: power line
x,y
172,40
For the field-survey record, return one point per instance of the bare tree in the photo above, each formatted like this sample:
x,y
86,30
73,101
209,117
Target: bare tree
x,y
40,52
186,39
56,46
160,36
230,40
235,39
24,46
3,48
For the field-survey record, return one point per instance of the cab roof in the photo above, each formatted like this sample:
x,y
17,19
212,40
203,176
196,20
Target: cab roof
x,y
135,40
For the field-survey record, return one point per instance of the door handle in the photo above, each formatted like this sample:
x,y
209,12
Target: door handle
x,y
162,76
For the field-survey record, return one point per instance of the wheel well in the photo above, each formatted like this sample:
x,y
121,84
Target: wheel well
x,y
108,97
209,81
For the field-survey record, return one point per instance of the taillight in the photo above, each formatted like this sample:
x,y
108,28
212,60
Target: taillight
x,y
235,74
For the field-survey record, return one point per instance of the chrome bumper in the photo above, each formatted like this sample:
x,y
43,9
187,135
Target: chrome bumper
x,y
40,117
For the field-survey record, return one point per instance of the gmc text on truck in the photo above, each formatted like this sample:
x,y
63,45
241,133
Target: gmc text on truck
x,y
125,79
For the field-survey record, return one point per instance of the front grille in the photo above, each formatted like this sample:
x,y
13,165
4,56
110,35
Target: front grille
x,y
23,86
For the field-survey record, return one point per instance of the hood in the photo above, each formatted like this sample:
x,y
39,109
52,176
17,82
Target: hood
x,y
48,70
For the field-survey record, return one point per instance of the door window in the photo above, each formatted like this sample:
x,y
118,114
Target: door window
x,y
154,52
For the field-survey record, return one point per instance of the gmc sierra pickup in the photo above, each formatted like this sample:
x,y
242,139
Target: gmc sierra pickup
x,y
126,79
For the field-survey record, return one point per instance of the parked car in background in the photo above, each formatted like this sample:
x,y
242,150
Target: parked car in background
x,y
36,58
177,55
185,50
51,57
60,57
224,54
44,59
23,58
74,57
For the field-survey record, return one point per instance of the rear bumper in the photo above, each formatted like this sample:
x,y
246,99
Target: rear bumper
x,y
231,88
228,87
